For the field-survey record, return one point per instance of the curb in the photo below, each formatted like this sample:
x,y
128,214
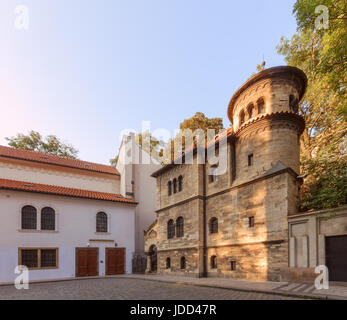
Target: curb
x,y
278,293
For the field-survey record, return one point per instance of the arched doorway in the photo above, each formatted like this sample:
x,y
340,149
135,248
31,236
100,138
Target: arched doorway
x,y
153,258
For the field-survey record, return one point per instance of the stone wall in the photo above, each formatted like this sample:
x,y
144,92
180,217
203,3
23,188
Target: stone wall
x,y
266,189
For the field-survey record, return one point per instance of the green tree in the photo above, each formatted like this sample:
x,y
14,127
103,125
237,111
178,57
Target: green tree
x,y
321,54
146,140
198,121
33,141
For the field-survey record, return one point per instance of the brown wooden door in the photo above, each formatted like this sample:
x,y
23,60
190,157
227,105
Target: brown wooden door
x,y
87,262
115,261
336,257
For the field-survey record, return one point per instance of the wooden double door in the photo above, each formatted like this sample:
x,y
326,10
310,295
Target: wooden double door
x,y
115,261
87,262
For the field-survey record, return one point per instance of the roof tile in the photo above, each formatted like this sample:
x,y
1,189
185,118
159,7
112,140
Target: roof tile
x,y
6,184
55,160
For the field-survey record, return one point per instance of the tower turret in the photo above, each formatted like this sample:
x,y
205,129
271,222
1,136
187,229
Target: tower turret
x,y
264,114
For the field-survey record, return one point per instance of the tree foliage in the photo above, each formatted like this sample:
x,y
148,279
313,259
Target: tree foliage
x,y
33,141
321,54
198,122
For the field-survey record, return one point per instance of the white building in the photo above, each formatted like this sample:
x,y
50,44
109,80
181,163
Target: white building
x,y
135,166
63,218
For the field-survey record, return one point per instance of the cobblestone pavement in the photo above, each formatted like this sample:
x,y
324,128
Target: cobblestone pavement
x,y
127,289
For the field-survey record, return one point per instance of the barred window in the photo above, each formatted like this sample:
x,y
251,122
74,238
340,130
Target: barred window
x,y
213,262
179,227
180,183
38,258
169,188
48,258
170,229
214,225
29,217
183,263
47,219
101,222
168,263
29,258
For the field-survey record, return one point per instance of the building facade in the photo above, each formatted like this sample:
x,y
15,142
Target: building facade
x,y
135,166
235,224
62,218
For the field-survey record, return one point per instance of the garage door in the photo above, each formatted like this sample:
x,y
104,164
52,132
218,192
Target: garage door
x,y
87,262
115,261
336,257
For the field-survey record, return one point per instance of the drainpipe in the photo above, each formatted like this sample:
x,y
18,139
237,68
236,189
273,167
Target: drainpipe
x,y
204,249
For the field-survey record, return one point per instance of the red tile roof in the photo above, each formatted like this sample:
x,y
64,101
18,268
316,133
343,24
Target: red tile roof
x,y
61,191
55,160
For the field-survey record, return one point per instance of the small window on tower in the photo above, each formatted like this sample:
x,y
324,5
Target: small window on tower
x,y
251,222
261,106
233,265
250,159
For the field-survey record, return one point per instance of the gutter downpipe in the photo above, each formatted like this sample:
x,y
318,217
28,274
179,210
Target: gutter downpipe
x,y
204,273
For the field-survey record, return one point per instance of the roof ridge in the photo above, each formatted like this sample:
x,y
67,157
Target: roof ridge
x,y
9,184
37,156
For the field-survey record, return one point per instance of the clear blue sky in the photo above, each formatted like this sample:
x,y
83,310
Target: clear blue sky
x,y
87,69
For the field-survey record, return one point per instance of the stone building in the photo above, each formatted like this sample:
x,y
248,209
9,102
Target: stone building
x,y
235,224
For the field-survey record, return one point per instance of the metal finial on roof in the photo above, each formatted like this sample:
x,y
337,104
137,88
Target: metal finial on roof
x,y
263,64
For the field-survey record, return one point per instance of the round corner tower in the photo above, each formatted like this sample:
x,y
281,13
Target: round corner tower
x,y
264,115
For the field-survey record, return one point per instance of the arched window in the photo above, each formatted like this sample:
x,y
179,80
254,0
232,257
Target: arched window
x,y
242,117
29,215
261,106
213,262
180,183
179,227
170,229
101,222
214,225
169,188
174,185
168,263
183,262
293,103
250,110
47,219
